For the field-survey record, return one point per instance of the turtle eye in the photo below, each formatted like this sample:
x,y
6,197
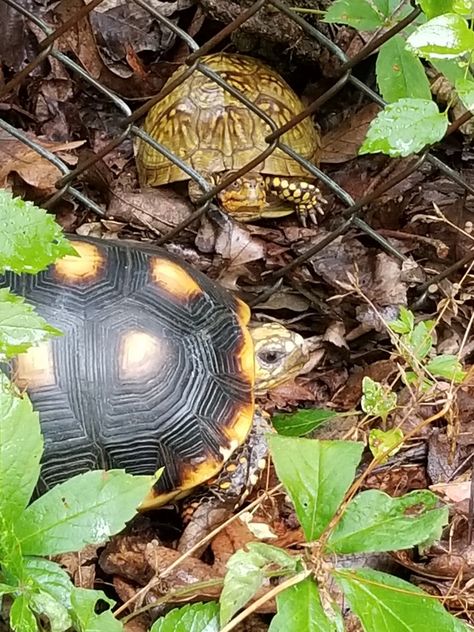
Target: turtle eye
x,y
270,356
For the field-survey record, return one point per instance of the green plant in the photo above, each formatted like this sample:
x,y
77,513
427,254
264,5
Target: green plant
x,y
86,509
317,475
441,35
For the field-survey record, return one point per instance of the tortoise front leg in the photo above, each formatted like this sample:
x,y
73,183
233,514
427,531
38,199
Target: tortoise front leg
x,y
215,503
306,197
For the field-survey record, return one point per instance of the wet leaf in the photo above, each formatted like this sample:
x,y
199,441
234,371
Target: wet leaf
x,y
400,73
444,37
405,127
30,239
373,521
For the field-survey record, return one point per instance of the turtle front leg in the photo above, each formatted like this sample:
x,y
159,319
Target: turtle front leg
x,y
306,197
215,503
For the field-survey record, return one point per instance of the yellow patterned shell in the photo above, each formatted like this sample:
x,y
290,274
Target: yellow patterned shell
x,y
214,132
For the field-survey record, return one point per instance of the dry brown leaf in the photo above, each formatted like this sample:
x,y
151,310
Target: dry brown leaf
x,y
342,144
18,159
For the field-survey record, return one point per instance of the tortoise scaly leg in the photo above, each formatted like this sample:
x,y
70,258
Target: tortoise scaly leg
x,y
215,503
306,197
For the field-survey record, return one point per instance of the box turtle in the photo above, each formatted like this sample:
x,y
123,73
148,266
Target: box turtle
x,y
216,134
158,367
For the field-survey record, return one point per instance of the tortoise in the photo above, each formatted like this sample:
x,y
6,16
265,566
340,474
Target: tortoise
x,y
158,367
216,134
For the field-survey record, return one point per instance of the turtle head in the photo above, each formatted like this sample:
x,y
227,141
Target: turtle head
x,y
245,198
280,354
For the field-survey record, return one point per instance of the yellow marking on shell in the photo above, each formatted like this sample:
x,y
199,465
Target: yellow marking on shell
x,y
173,278
225,485
227,452
241,425
141,354
34,369
82,269
231,467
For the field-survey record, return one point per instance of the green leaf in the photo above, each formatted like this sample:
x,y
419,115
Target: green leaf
x,y
463,7
432,8
383,602
30,239
465,90
13,570
84,612
365,15
420,341
20,325
316,475
386,443
21,447
22,618
246,573
86,509
196,617
46,606
299,608
302,421
377,399
452,69
444,37
373,521
448,367
405,322
49,577
404,128
400,73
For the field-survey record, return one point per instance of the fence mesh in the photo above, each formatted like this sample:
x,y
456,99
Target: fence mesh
x,y
68,186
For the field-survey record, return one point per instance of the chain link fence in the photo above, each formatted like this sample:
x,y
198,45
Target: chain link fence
x,y
67,185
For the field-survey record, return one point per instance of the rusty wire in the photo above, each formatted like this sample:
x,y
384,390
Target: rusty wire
x,y
351,215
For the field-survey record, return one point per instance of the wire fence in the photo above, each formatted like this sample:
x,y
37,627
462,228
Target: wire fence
x,y
67,185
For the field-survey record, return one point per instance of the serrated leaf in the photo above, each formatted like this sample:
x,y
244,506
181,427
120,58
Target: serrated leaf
x,y
384,602
316,475
299,608
246,573
22,618
444,37
84,612
302,421
405,127
87,509
21,447
30,239
49,577
20,325
373,521
465,90
400,73
196,617
365,15
448,367
420,341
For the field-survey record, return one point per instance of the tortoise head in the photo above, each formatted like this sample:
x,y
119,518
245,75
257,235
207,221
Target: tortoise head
x,y
280,354
245,198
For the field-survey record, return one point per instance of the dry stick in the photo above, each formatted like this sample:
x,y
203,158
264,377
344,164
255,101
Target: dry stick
x,y
142,592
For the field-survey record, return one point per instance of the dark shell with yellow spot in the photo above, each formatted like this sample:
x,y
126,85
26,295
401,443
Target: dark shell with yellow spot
x,y
155,368
214,132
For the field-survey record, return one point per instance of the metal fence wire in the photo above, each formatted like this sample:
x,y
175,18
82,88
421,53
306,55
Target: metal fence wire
x,y
67,185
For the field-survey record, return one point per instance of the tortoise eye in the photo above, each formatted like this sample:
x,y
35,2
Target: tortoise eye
x,y
270,356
